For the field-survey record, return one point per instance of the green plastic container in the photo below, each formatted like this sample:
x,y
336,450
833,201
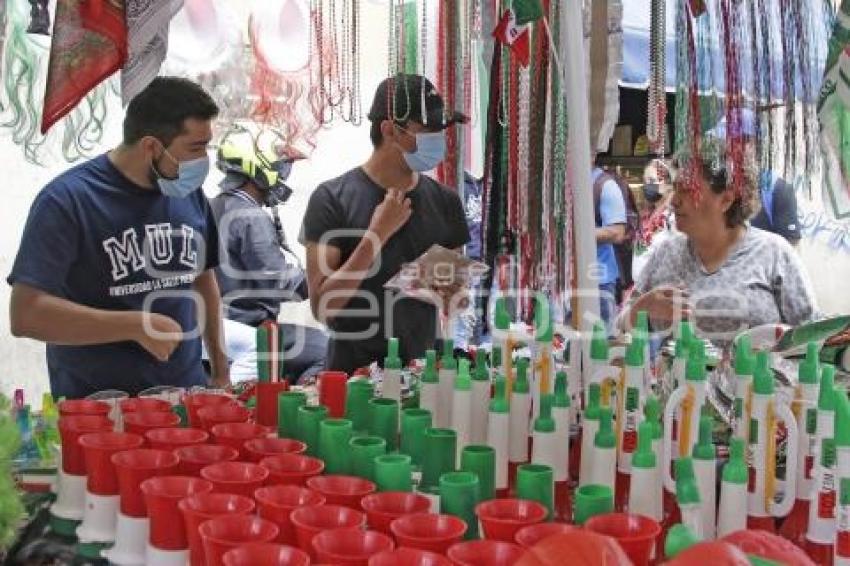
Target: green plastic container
x,y
459,494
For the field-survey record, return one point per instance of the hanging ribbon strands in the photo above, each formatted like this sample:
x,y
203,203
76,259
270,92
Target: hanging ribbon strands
x,y
335,39
732,32
423,56
527,199
762,86
449,67
688,113
396,52
656,115
280,93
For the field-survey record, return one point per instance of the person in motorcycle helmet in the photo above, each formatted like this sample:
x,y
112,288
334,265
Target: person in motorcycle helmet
x,y
258,271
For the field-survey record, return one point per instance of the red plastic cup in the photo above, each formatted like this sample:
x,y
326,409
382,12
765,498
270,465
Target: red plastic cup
x,y
144,405
203,507
198,400
385,507
162,495
409,557
175,437
196,457
223,414
527,537
135,466
819,553
258,448
237,434
342,490
485,553
142,422
292,469
350,547
99,447
239,478
277,502
267,394
333,387
227,532
428,531
636,534
78,407
71,428
501,519
310,521
262,553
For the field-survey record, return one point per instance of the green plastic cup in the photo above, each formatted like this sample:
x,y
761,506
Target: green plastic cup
x,y
481,461
459,494
364,450
383,421
592,500
440,452
360,392
414,423
287,413
393,472
309,417
537,483
334,436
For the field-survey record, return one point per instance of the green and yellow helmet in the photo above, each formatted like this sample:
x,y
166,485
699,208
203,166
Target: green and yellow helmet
x,y
261,157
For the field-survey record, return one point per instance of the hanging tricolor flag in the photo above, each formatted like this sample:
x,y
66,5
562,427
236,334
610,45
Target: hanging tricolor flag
x,y
834,116
514,30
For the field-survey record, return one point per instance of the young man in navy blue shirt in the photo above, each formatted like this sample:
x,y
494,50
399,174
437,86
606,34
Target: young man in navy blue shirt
x,y
115,267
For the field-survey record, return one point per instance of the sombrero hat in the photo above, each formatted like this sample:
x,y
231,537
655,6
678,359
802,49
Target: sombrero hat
x,y
204,37
280,34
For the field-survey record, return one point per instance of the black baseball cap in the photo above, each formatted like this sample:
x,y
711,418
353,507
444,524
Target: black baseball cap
x,y
400,99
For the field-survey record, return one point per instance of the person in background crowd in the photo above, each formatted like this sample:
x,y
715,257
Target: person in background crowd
x,y
778,212
117,256
657,221
256,275
718,270
610,212
361,227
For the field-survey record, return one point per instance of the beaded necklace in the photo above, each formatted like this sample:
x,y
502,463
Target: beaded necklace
x,y
657,104
335,49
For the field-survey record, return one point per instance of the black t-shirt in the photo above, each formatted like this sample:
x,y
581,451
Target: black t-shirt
x,y
346,204
96,239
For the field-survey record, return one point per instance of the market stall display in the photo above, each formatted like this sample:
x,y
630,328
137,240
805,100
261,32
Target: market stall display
x,y
548,441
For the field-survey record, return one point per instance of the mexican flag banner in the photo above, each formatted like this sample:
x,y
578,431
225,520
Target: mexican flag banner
x,y
514,30
834,116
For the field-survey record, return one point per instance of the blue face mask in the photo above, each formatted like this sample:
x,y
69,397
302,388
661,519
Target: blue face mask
x,y
430,151
190,177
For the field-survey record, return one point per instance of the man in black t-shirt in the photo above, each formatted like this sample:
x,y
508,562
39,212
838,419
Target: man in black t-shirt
x,y
360,228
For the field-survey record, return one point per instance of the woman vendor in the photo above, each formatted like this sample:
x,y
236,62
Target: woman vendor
x,y
719,271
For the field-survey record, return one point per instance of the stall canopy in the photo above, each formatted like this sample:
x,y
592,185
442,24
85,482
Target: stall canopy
x,y
636,27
